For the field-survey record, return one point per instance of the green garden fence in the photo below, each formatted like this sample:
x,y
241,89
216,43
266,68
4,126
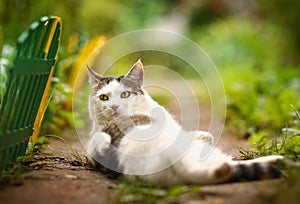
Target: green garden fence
x,y
28,77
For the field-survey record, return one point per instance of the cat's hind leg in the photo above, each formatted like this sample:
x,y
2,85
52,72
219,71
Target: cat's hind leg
x,y
214,168
205,174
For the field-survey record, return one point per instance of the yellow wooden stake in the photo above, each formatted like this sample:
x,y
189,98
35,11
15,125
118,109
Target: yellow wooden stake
x,y
43,104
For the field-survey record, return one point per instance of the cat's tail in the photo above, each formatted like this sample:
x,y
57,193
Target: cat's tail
x,y
255,169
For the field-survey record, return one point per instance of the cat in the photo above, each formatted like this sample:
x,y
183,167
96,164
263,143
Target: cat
x,y
129,127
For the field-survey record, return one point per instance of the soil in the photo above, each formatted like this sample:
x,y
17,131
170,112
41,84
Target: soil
x,y
56,177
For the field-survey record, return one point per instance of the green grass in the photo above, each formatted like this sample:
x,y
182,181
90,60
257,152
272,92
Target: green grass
x,y
139,191
261,102
288,144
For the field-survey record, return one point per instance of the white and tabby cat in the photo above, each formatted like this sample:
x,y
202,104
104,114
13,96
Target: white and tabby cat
x,y
124,116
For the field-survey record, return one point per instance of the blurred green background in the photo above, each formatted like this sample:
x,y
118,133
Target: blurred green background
x,y
255,44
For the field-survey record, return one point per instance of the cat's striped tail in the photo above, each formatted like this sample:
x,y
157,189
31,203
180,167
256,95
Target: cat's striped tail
x,y
255,169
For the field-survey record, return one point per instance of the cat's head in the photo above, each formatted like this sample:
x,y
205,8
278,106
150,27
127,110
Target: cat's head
x,y
118,96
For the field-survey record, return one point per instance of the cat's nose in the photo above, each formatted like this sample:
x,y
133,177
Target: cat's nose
x,y
114,107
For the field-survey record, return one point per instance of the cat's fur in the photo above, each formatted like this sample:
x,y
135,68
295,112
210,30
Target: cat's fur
x,y
126,110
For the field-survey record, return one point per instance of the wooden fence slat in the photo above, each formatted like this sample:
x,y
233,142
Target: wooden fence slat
x,y
28,81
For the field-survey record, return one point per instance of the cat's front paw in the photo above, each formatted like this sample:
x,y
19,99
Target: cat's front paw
x,y
99,144
104,146
204,136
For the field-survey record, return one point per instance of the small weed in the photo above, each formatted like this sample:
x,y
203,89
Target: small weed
x,y
287,143
245,154
37,146
78,159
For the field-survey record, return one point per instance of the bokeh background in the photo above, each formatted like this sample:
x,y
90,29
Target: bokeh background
x,y
255,44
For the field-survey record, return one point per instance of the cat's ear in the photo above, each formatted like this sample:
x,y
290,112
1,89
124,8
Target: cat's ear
x,y
94,78
136,72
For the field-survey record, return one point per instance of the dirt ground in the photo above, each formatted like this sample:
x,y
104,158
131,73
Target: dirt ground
x,y
56,177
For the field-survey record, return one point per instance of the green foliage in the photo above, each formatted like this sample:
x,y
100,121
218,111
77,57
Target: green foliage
x,y
260,85
36,147
57,116
140,14
59,113
238,43
5,60
261,101
15,16
3,78
139,191
286,15
262,88
89,16
287,143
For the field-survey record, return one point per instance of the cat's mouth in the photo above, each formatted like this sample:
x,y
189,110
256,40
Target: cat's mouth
x,y
115,113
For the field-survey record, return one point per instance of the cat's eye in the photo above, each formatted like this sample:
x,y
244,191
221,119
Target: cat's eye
x,y
103,97
125,94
